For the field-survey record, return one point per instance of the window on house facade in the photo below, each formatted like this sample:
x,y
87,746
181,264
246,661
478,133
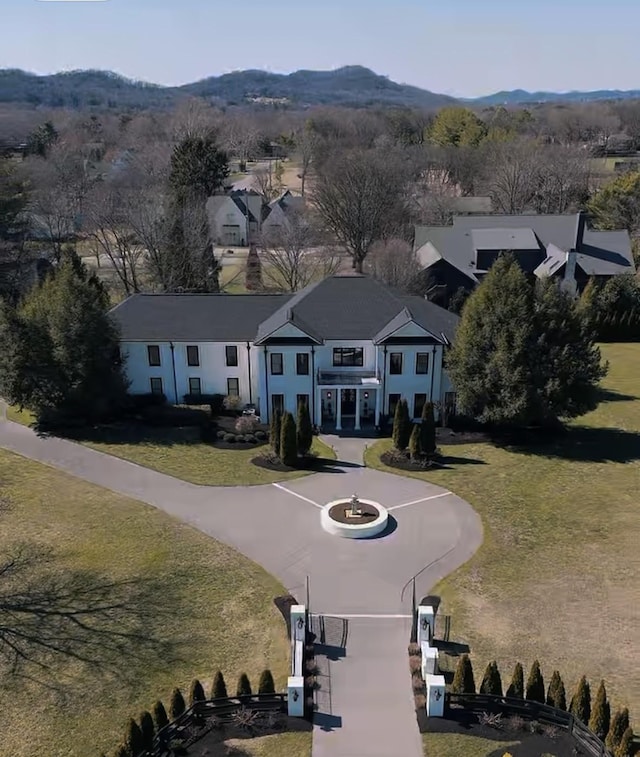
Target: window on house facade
x,y
418,404
277,403
450,401
156,385
422,362
233,387
193,355
348,356
302,363
231,355
395,363
393,401
194,386
276,364
153,353
302,399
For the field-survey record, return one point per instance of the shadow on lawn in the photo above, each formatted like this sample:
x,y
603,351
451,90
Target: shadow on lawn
x,y
607,395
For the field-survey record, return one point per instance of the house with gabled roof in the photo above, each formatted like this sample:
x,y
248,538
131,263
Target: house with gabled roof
x,y
348,346
235,218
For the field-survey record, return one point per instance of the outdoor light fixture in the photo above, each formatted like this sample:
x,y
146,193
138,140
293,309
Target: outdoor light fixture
x,y
295,696
425,624
300,623
329,395
366,395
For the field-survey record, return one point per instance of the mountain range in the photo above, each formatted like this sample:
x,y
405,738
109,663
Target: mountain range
x,y
350,85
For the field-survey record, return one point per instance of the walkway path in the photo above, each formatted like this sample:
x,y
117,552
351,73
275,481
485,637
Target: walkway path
x,y
365,704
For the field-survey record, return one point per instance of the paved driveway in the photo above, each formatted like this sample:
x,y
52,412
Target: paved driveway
x,y
366,706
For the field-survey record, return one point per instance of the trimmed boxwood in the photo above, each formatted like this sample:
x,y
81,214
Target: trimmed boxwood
x,y
261,435
221,434
230,438
241,438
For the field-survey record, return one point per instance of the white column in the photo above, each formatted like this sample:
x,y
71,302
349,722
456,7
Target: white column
x,y
377,416
338,409
357,425
318,418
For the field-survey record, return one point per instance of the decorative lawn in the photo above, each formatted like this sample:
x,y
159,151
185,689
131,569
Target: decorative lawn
x,y
461,745
25,417
207,606
278,745
558,573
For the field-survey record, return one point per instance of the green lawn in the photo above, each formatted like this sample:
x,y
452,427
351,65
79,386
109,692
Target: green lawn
x,y
278,745
25,417
558,573
196,605
461,745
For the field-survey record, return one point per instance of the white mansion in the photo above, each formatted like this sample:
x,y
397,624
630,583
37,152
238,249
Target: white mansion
x,y
348,346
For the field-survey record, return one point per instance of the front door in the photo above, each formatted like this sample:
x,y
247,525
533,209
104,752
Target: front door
x,y
348,402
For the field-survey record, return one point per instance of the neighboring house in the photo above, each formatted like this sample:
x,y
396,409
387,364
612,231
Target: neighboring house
x,y
348,346
561,246
274,215
234,218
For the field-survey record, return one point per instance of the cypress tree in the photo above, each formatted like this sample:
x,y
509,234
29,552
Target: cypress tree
x,y
556,695
253,270
133,740
196,692
625,747
535,684
288,441
463,681
619,724
415,449
244,686
406,425
396,433
218,687
274,432
428,430
160,718
516,687
177,705
600,713
580,706
148,730
266,684
491,681
304,429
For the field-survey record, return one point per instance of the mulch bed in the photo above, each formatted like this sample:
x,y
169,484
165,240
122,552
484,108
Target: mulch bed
x,y
284,604
275,464
219,444
339,513
402,461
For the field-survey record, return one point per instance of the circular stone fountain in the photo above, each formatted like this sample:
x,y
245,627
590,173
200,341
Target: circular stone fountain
x,y
354,518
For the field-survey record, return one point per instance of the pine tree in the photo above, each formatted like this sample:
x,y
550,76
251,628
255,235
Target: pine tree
x,y
600,713
160,718
580,706
625,747
244,686
274,432
147,729
288,441
218,687
304,429
535,684
428,430
196,692
266,684
516,687
491,681
619,724
463,681
556,695
133,739
177,705
415,449
253,270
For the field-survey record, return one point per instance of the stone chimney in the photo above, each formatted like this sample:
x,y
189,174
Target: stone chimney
x,y
569,283
580,227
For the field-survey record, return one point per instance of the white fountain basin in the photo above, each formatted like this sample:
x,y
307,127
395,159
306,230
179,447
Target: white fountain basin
x,y
354,530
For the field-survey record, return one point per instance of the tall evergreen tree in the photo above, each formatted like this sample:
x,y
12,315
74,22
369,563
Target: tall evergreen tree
x,y
198,166
580,706
556,695
463,681
266,684
619,724
600,713
148,730
625,747
516,687
415,448
428,430
491,681
133,739
274,431
304,429
535,684
402,426
244,686
253,270
177,705
219,687
196,692
396,433
288,441
159,713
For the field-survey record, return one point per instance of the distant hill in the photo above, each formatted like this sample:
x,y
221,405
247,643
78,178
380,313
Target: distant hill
x,y
522,97
351,85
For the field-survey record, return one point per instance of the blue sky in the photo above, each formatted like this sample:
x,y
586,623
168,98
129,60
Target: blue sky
x,y
459,47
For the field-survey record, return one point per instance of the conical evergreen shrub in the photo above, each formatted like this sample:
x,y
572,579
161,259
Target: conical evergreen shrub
x,y
159,713
515,689
619,724
463,681
218,687
625,747
253,270
304,429
428,430
556,695
133,740
406,425
244,686
600,713
535,684
148,730
580,706
274,432
491,681
288,441
396,433
415,449
196,692
266,684
177,705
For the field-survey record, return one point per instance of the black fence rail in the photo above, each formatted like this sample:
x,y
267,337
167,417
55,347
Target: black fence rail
x,y
200,712
543,713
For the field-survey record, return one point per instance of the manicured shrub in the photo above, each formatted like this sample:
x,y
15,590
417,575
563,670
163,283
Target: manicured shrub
x,y
250,438
402,426
556,695
516,687
232,403
159,713
580,706
288,441
304,429
148,730
217,405
133,739
244,686
261,435
177,705
221,434
241,438
274,432
428,430
196,692
266,684
415,449
619,724
535,684
218,687
253,270
246,424
491,681
230,438
625,747
600,713
463,681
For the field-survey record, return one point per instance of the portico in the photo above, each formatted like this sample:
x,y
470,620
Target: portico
x,y
342,396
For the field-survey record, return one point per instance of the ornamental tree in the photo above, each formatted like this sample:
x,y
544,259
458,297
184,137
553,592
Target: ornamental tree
x,y
244,686
556,695
535,684
196,692
304,429
133,740
428,430
580,706
600,713
491,681
274,431
266,684
515,689
619,724
463,681
159,713
147,729
177,705
218,687
288,441
415,448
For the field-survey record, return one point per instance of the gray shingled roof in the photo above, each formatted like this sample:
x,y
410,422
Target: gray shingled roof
x,y
504,239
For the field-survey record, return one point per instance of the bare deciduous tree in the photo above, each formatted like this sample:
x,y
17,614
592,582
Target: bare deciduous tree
x,y
511,170
307,142
394,263
263,183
